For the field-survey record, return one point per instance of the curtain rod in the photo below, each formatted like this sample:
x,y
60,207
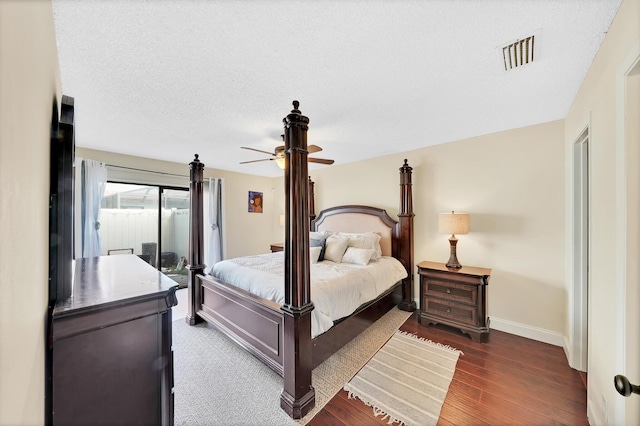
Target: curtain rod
x,y
143,170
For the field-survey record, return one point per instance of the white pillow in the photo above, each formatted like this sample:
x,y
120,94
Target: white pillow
x,y
366,240
335,248
358,256
313,235
314,254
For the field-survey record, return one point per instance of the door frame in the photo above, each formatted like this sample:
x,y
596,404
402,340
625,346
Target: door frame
x,y
578,305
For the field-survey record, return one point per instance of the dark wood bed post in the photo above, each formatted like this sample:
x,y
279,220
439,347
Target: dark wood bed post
x,y
312,201
196,243
298,396
405,217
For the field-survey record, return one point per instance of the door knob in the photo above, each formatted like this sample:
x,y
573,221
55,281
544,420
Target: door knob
x,y
624,386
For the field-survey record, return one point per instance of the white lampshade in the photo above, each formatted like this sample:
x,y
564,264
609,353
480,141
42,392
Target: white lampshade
x,y
280,162
453,223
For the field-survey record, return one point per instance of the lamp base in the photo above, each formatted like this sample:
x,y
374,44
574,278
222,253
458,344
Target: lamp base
x,y
453,259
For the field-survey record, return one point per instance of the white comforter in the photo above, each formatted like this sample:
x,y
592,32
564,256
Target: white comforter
x,y
337,289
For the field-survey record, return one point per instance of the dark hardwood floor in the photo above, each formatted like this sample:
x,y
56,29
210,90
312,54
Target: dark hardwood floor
x,y
508,381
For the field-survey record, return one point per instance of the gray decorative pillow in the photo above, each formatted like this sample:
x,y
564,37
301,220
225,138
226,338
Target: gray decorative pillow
x,y
319,242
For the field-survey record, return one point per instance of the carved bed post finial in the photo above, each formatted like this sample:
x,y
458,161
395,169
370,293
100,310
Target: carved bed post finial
x,y
196,236
298,396
405,217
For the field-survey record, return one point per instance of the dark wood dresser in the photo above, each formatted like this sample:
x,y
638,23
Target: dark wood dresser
x,y
112,354
455,297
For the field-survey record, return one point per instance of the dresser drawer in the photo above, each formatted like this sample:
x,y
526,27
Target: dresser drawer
x,y
451,291
452,310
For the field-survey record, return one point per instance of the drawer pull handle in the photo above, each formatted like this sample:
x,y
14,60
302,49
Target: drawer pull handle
x,y
448,310
448,291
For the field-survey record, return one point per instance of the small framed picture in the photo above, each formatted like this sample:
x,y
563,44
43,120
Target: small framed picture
x,y
255,202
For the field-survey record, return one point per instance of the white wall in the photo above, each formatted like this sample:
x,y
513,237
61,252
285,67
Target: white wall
x,y
511,184
29,81
598,105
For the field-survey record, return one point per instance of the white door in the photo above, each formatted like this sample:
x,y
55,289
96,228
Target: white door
x,y
631,346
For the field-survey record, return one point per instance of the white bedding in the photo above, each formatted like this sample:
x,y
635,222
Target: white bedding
x,y
337,289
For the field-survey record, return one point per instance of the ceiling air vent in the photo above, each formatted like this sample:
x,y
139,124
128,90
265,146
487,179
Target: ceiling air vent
x,y
518,53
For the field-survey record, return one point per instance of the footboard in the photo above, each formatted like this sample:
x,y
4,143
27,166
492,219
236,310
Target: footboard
x,y
256,324
252,322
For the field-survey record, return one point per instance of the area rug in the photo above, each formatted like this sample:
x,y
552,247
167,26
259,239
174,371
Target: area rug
x,y
407,380
216,382
330,376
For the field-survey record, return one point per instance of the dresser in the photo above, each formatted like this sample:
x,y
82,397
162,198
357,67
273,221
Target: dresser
x,y
455,297
111,345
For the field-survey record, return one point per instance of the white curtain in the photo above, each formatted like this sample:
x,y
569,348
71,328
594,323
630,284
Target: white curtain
x,y
214,231
93,175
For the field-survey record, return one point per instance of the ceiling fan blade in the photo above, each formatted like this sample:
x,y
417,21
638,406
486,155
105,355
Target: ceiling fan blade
x,y
258,150
313,148
255,161
319,160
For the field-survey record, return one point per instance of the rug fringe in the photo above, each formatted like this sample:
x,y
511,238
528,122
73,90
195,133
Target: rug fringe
x,y
377,411
440,345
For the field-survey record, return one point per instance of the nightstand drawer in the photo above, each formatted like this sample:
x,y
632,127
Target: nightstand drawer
x,y
451,291
455,311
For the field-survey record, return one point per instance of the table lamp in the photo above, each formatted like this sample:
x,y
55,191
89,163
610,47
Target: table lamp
x,y
453,223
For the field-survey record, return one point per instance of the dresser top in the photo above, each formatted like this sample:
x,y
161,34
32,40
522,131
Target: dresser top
x,y
107,280
466,270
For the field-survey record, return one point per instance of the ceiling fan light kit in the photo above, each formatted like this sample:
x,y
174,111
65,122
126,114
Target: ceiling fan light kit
x,y
280,161
278,155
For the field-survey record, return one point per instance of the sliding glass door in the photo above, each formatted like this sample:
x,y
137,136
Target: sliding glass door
x,y
149,221
174,233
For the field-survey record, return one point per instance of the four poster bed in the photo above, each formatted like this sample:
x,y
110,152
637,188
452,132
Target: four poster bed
x,y
280,334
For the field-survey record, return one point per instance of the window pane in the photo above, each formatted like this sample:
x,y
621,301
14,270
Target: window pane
x,y
129,220
175,234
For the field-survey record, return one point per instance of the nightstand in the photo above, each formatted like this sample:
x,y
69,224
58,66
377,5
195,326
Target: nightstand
x,y
455,297
277,247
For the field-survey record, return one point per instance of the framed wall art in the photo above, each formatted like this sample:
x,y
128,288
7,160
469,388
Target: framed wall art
x,y
255,202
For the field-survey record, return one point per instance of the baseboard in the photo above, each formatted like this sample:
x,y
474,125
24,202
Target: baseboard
x,y
567,350
530,332
594,417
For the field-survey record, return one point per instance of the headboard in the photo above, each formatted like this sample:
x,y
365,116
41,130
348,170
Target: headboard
x,y
360,219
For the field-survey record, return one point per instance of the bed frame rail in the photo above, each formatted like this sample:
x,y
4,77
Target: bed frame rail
x,y
345,331
252,322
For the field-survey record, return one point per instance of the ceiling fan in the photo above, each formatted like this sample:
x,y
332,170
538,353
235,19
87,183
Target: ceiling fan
x,y
278,155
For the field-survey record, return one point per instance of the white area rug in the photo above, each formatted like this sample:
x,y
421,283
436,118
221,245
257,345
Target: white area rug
x,y
407,380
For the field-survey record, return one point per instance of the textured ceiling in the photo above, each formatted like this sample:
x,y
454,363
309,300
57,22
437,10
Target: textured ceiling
x,y
167,79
